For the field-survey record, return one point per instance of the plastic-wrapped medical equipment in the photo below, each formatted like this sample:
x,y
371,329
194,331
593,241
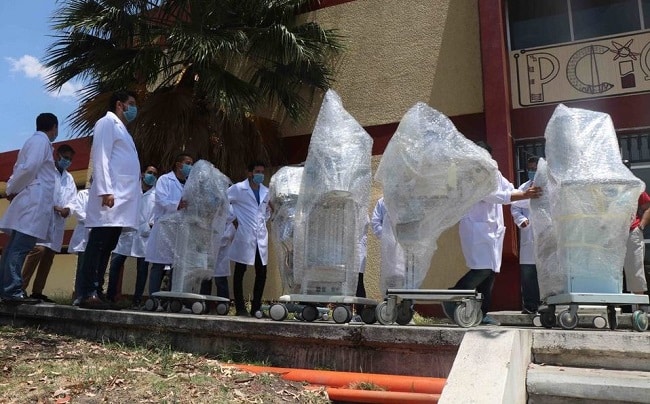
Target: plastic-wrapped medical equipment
x,y
192,228
333,203
431,175
592,198
284,189
545,237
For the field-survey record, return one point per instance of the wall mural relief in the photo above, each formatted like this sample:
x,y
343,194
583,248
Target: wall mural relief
x,y
604,68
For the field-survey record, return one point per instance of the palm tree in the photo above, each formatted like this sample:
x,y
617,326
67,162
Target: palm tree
x,y
213,77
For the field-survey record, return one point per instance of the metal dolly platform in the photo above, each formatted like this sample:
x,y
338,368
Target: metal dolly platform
x,y
174,302
568,319
398,306
306,307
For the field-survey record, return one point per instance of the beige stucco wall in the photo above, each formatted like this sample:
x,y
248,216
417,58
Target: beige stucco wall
x,y
402,52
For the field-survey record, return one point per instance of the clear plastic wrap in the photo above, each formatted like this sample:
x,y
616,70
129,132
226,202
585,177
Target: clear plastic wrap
x,y
551,280
333,204
431,175
593,198
207,209
284,189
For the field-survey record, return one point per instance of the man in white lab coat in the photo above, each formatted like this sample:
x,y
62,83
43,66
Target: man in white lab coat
x,y
42,255
250,203
133,243
521,213
168,199
481,237
114,194
30,191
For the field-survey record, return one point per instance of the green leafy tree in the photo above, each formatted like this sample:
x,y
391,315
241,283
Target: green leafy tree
x,y
213,77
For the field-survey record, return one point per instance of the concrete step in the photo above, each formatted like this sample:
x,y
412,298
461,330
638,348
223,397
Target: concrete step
x,y
564,385
616,350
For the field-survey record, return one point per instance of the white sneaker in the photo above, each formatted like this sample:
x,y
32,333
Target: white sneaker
x,y
76,301
356,319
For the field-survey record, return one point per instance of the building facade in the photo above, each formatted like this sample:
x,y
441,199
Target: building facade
x,y
497,68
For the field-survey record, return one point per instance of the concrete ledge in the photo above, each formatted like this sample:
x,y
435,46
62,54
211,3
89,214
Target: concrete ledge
x,y
607,386
490,367
618,350
407,350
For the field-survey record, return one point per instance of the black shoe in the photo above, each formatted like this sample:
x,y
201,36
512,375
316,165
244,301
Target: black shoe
x,y
242,313
449,308
94,303
527,311
20,300
41,297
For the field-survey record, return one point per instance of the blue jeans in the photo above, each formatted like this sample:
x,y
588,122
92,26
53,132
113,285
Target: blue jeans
x,y
11,264
482,280
529,287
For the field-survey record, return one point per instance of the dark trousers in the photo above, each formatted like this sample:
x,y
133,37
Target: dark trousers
x,y
101,241
221,282
258,288
529,287
482,280
155,278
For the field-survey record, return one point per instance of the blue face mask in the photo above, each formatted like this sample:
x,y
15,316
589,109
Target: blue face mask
x,y
64,163
258,178
149,179
531,174
130,113
186,170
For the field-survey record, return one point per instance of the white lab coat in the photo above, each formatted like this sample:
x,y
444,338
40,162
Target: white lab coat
x,y
133,243
482,229
362,247
251,233
221,245
66,191
520,213
393,261
33,181
116,171
169,191
80,233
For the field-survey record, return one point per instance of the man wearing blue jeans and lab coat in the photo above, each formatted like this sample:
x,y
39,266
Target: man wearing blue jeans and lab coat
x,y
250,203
30,191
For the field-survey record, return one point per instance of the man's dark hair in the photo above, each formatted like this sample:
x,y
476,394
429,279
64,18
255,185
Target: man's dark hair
x,y
46,121
121,96
532,159
65,148
484,145
144,167
251,166
181,156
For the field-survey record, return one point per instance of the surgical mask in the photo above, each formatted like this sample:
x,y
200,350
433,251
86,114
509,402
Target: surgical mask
x,y
149,179
531,174
64,163
186,170
130,113
258,178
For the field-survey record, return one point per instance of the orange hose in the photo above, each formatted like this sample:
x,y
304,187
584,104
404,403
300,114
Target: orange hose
x,y
380,397
393,383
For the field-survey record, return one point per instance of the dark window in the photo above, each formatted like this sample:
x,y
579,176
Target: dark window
x,y
646,14
595,18
538,23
